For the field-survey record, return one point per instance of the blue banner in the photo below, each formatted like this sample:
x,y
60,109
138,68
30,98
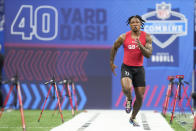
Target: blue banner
x,y
2,22
97,24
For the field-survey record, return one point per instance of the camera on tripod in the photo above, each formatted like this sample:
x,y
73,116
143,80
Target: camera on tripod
x,y
177,98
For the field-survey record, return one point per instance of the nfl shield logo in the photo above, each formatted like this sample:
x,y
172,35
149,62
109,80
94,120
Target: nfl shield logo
x,y
163,10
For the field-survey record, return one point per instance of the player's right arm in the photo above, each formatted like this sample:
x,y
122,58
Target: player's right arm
x,y
114,50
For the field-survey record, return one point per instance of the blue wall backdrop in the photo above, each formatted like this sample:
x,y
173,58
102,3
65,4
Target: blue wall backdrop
x,y
72,40
2,24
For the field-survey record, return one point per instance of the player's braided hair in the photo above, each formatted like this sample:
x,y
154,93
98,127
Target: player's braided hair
x,y
139,17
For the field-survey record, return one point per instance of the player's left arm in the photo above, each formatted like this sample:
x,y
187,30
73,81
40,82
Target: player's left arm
x,y
147,49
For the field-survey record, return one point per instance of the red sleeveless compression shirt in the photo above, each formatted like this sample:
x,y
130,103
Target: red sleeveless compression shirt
x,y
132,54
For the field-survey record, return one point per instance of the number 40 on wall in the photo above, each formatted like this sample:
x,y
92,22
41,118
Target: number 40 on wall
x,y
42,23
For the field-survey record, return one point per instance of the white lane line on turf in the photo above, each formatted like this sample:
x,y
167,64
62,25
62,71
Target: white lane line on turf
x,y
87,124
145,122
114,120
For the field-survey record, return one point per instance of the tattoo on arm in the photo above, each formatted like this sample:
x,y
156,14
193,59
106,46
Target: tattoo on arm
x,y
115,47
147,49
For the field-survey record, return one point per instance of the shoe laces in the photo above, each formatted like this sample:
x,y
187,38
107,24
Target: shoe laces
x,y
135,123
128,105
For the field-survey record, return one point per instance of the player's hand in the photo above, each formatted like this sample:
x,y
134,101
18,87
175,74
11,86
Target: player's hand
x,y
138,42
113,67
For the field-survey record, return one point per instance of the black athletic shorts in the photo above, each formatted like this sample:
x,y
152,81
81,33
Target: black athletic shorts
x,y
136,73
